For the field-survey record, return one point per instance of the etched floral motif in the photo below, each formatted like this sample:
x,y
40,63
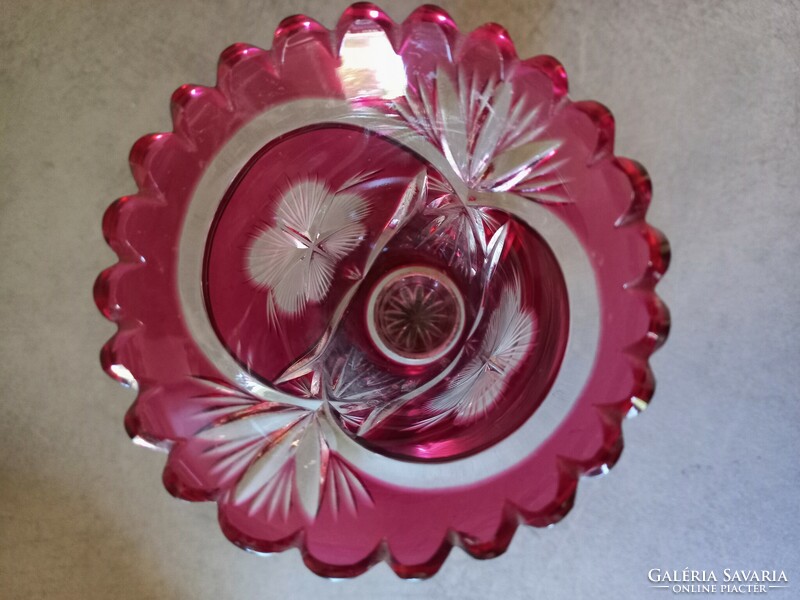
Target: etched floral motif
x,y
272,452
509,337
489,134
409,205
296,257
487,269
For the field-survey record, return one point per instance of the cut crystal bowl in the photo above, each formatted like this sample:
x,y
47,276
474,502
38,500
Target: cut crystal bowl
x,y
383,290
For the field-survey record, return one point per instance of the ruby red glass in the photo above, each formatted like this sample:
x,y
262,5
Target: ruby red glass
x,y
383,290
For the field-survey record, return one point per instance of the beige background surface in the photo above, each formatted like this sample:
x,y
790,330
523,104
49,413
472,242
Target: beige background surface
x,y
706,95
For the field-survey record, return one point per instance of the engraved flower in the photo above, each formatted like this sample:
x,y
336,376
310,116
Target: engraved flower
x,y
489,133
266,453
509,337
296,257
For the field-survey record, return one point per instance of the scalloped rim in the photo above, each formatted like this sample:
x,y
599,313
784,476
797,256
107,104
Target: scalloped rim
x,y
610,414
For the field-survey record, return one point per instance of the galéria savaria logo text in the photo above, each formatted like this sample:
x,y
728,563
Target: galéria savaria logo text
x,y
726,581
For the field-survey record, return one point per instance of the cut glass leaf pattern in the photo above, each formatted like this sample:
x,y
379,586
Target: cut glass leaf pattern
x,y
489,133
346,492
295,461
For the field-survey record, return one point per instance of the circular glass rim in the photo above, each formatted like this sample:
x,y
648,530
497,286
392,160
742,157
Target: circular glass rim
x,y
418,358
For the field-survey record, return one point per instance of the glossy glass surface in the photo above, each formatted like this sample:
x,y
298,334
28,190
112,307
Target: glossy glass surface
x,y
383,266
